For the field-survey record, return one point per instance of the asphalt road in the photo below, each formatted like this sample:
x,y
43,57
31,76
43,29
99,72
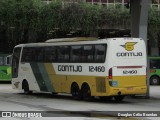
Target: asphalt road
x,y
64,107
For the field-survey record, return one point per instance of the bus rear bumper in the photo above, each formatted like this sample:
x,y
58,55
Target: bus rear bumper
x,y
128,91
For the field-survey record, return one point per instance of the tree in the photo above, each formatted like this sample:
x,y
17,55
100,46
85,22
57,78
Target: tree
x,y
154,27
33,21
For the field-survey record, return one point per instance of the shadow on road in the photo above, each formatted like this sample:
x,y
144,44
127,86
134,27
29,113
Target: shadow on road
x,y
69,97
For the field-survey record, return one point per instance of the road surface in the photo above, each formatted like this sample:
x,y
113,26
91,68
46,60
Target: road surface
x,y
64,107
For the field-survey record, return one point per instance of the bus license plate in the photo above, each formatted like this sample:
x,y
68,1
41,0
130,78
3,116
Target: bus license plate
x,y
130,88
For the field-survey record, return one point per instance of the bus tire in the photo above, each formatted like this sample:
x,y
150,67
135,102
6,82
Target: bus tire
x,y
154,80
118,98
75,91
86,92
25,87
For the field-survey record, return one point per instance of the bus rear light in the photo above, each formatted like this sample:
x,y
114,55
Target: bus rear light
x,y
110,73
152,70
110,76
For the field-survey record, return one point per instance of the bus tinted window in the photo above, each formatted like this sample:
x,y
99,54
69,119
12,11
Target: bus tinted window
x,y
155,64
63,54
31,54
100,51
28,54
50,54
39,54
88,53
76,53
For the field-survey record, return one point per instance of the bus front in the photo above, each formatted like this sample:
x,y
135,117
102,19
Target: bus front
x,y
127,65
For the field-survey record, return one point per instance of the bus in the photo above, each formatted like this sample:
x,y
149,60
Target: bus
x,y
83,67
154,73
5,67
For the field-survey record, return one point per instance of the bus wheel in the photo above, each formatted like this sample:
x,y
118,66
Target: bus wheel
x,y
86,92
154,80
75,91
118,98
25,87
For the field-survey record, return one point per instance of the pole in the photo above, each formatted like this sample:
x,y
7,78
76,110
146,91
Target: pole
x,y
139,13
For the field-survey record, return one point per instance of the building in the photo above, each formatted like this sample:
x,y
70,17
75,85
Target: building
x,y
120,3
109,3
155,4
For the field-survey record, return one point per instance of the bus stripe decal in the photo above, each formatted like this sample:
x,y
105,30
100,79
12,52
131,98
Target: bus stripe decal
x,y
50,70
38,76
46,77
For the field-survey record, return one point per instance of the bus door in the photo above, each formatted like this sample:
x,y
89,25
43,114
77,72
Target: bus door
x,y
15,62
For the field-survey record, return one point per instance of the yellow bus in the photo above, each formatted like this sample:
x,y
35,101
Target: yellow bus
x,y
82,67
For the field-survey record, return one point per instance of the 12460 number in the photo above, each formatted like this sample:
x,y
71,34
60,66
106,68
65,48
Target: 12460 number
x,y
96,69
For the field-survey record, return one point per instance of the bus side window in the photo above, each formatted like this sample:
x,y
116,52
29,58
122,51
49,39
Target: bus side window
x,y
76,53
63,53
39,54
100,51
28,54
88,53
50,54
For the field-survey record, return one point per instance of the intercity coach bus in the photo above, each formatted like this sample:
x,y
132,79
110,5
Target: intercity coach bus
x,y
82,67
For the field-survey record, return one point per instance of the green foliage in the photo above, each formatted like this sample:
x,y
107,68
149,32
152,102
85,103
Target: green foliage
x,y
114,18
19,17
31,20
154,27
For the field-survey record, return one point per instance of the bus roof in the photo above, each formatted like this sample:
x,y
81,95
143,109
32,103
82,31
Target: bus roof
x,y
76,39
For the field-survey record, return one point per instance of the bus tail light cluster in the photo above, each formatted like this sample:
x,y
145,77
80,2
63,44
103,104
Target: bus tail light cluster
x,y
110,76
110,73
